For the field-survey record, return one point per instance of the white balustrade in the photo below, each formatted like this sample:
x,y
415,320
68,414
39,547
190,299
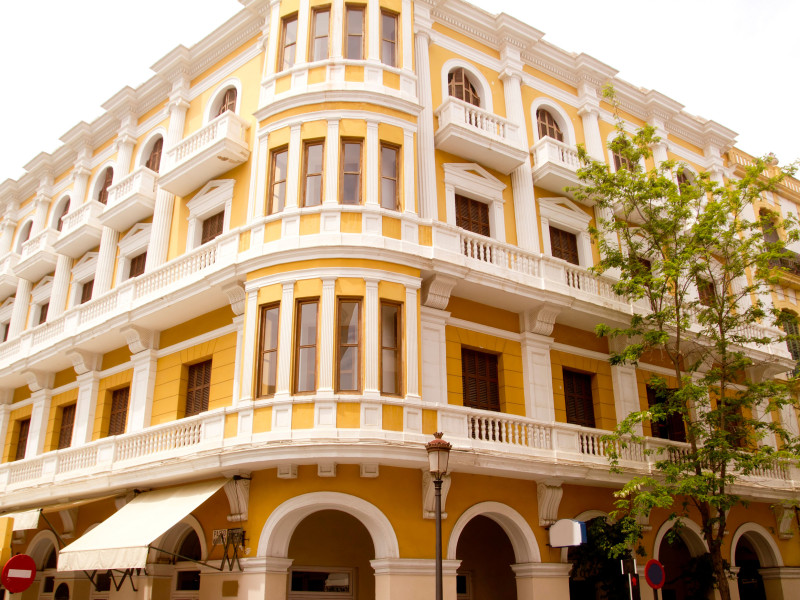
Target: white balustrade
x,y
227,125
179,269
502,255
141,181
8,262
40,242
458,112
84,214
549,150
176,435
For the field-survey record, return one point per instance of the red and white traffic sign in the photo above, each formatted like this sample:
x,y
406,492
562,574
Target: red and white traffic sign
x,y
654,574
18,574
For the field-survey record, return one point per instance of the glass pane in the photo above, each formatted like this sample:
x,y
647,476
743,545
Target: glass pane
x,y
281,160
388,371
387,53
288,56
354,46
388,25
269,370
348,374
306,370
308,323
352,158
389,162
355,23
271,328
320,49
313,190
290,36
278,196
314,158
389,194
350,188
348,323
389,326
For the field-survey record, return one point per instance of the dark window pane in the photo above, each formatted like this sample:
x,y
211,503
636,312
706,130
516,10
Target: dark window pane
x,y
578,398
479,379
22,439
269,349
137,265
67,423
564,245
119,411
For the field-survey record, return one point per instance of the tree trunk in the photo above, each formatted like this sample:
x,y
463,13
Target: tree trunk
x,y
719,572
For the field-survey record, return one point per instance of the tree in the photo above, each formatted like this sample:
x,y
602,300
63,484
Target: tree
x,y
692,255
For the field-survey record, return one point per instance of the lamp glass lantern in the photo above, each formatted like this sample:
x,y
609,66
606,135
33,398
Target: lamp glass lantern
x,y
438,455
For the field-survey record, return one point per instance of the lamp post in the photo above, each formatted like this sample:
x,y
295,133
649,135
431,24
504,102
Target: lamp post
x,y
438,456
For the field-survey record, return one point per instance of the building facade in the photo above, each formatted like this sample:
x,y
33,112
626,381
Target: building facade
x,y
237,305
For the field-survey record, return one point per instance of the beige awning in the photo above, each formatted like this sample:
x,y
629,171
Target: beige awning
x,y
24,519
123,540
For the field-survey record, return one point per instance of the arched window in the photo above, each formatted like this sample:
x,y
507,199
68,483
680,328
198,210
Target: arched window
x,y
108,179
228,102
24,235
459,86
64,211
190,547
62,592
548,127
684,176
154,160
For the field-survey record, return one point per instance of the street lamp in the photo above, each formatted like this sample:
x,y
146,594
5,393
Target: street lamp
x,y
438,456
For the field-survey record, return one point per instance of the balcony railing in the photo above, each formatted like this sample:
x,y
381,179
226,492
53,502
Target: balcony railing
x,y
555,166
38,257
8,279
131,200
81,230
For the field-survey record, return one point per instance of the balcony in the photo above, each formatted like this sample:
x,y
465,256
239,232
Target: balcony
x,y
555,166
478,135
8,279
131,200
81,230
215,149
38,256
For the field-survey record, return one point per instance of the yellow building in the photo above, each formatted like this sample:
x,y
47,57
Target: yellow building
x,y
237,305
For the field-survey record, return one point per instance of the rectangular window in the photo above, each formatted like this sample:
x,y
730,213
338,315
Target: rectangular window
x,y
119,411
312,582
564,245
578,398
198,388
472,215
136,267
390,348
43,312
706,292
670,429
481,385
268,350
6,327
354,38
312,167
277,193
306,351
388,38
67,424
24,428
351,172
212,227
389,172
86,291
621,162
349,338
319,34
288,43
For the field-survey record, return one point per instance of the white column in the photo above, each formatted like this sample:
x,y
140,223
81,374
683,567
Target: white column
x,y
124,154
303,18
238,323
107,255
142,387
274,37
285,333
258,193
80,178
660,149
332,147
537,375
337,27
403,578
88,387
248,358
426,162
374,30
409,203
372,330
294,167
58,295
412,342
407,35
19,313
590,114
7,236
434,355
542,580
372,174
40,416
40,216
326,324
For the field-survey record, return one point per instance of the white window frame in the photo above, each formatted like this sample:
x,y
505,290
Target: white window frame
x,y
147,146
476,77
216,99
473,181
99,179
560,116
40,295
83,271
132,245
214,197
59,206
20,241
563,213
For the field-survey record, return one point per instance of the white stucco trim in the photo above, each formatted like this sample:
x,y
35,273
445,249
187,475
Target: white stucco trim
x,y
216,98
476,78
690,533
560,116
769,555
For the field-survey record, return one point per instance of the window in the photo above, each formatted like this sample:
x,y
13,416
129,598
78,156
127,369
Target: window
x,y
351,172
389,172
354,38
228,102
706,292
388,38
119,411
319,34
564,245
459,86
277,193
64,211
198,388
86,291
479,379
108,178
578,398
312,178
288,43
24,428
187,581
43,313
548,127
212,227
683,177
136,267
349,338
670,429
788,322
190,546
268,344
67,423
472,215
62,592
154,160
24,235
5,327
306,351
621,162
312,582
390,348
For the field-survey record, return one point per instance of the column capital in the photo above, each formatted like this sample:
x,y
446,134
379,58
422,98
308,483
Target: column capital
x,y
591,108
509,74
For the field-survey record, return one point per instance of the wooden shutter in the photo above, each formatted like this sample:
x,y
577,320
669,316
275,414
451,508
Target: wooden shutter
x,y
119,411
102,197
154,161
137,265
564,245
459,86
64,211
86,291
198,388
548,126
578,397
67,423
706,292
472,215
212,227
671,429
43,312
22,439
228,102
480,380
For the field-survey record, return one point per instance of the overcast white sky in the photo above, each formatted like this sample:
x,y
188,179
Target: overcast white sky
x,y
730,60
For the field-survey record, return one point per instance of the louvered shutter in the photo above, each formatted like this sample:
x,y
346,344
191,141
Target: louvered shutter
x,y
119,411
564,245
198,388
578,397
67,423
22,439
480,380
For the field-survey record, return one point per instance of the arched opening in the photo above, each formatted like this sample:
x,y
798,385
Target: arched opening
x,y
62,592
331,552
60,213
486,556
103,183
688,575
224,102
751,585
154,155
460,86
24,235
548,126
190,546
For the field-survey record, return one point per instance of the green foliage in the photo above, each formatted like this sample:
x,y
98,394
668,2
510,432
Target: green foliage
x,y
664,242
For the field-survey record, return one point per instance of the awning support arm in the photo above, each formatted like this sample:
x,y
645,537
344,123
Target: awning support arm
x,y
186,558
125,573
61,543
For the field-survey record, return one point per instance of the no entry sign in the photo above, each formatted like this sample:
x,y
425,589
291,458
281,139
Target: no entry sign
x,y
654,574
18,573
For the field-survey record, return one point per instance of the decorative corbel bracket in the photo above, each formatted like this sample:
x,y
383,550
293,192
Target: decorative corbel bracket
x,y
139,338
83,361
784,519
429,495
39,380
238,491
540,320
548,496
236,297
69,518
436,291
